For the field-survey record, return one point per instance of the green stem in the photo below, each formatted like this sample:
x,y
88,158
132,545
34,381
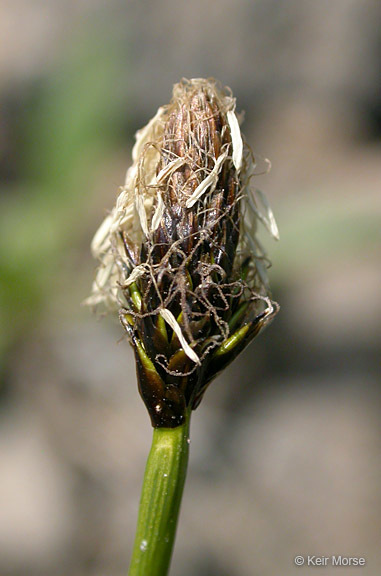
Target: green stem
x,y
160,501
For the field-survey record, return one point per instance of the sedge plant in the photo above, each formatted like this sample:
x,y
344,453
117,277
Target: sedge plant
x,y
181,264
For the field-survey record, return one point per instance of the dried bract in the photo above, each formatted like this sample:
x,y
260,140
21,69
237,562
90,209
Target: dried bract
x,y
179,257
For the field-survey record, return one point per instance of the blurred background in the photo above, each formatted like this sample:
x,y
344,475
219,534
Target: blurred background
x,y
285,453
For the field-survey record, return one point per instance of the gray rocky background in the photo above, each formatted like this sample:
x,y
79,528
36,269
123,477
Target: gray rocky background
x,y
285,452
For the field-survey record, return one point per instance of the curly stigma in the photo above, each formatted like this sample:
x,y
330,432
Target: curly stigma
x,y
179,256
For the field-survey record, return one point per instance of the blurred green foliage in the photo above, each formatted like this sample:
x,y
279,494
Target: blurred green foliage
x,y
71,122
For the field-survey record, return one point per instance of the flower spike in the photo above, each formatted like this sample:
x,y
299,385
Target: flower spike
x,y
179,256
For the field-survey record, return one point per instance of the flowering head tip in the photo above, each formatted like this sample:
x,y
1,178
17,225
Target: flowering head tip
x,y
179,256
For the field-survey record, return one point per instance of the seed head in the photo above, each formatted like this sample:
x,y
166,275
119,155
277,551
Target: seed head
x,y
179,257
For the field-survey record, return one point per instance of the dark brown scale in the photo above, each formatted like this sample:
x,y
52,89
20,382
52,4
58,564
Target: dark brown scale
x,y
132,250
